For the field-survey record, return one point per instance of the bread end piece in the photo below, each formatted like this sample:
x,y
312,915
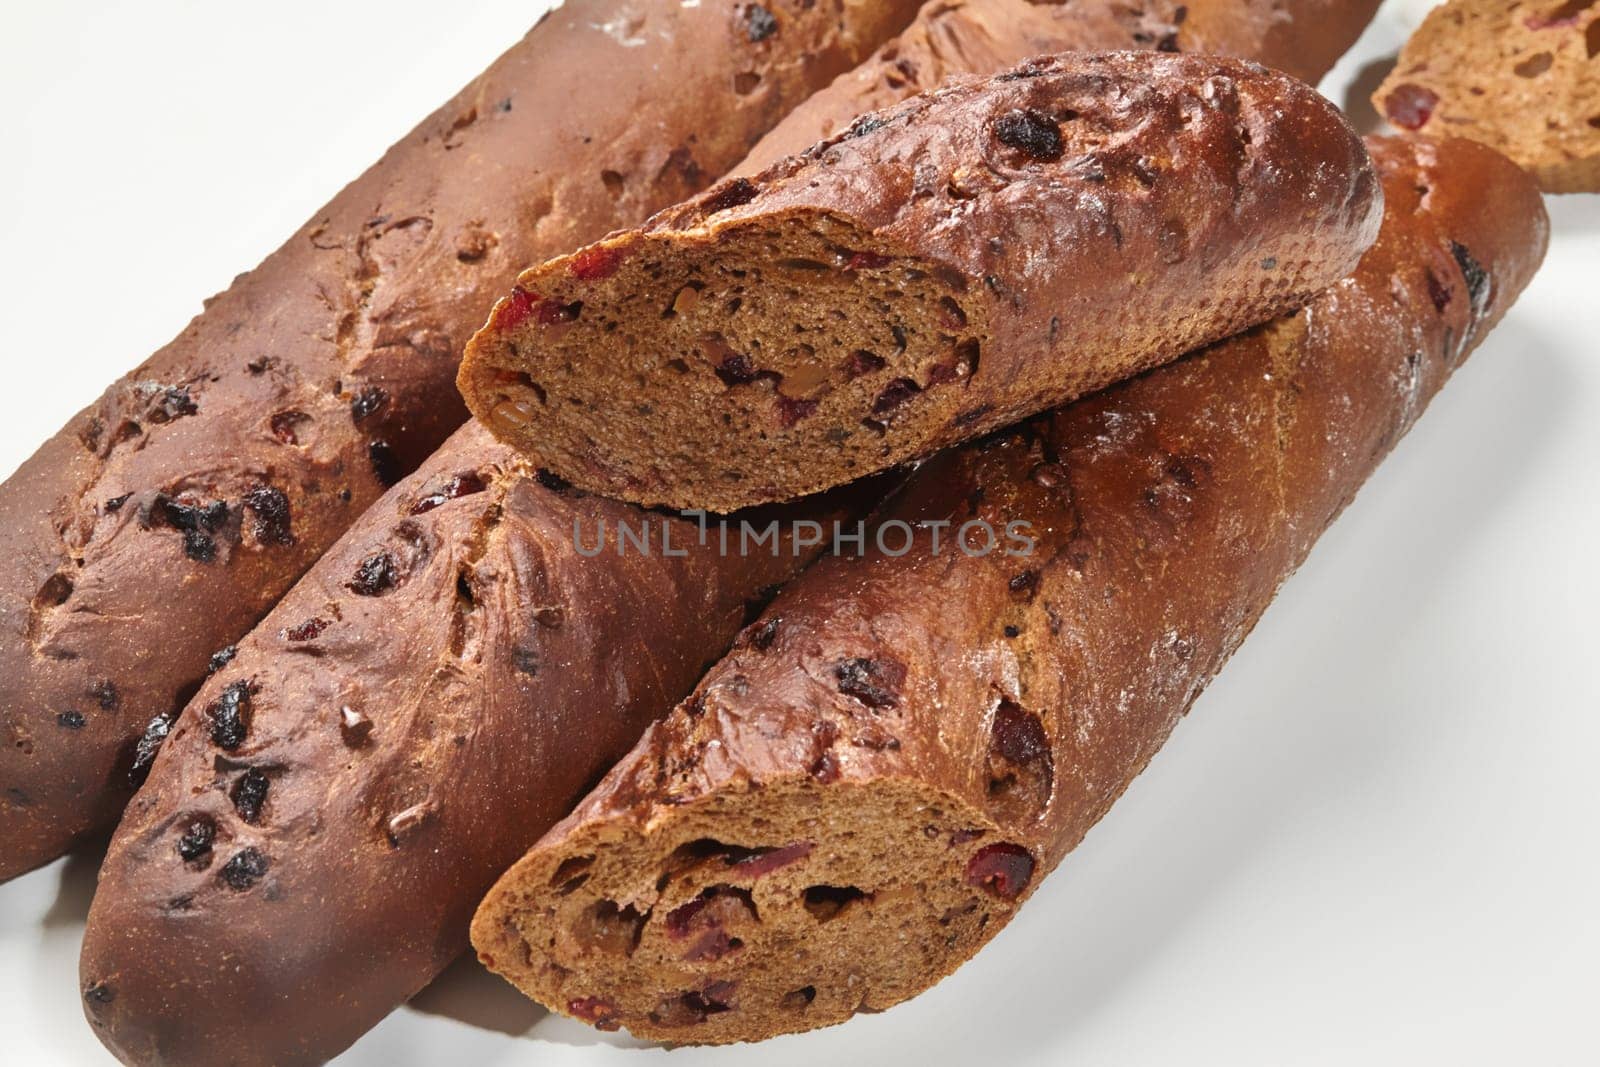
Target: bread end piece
x,y
1523,79
660,920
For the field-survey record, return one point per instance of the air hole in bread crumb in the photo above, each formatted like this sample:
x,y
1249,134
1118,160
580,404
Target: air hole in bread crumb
x,y
572,873
608,927
798,999
825,902
745,82
612,181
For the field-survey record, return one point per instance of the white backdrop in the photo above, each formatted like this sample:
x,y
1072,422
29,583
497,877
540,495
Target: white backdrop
x,y
1373,841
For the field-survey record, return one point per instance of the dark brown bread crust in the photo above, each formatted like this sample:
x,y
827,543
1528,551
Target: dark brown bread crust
x,y
861,794
437,690
171,514
950,37
945,267
149,980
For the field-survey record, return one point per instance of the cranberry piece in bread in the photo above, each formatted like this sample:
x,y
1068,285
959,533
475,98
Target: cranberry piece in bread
x,y
1166,511
999,246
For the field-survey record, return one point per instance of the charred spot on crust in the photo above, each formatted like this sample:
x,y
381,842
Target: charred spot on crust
x,y
221,658
874,682
105,694
167,402
116,502
97,993
385,464
1477,277
525,660
72,720
198,522
148,745
249,794
270,506
229,715
1438,292
1031,132
1024,585
759,23
374,576
196,839
245,869
368,402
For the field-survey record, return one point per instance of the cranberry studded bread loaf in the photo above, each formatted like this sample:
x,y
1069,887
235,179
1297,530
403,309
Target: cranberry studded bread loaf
x,y
166,518
864,791
945,267
1521,77
1299,37
435,692
148,977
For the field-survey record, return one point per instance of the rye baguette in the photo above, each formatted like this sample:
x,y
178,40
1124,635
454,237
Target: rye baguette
x,y
169,515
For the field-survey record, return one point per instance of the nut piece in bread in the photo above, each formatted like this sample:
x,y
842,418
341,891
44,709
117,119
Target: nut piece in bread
x,y
948,266
168,516
1523,78
864,791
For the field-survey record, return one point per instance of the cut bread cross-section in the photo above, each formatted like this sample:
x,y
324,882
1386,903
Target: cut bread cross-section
x,y
943,268
1521,77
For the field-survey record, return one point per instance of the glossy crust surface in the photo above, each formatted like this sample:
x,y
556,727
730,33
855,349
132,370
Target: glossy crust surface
x,y
856,798
945,267
167,517
438,689
1303,38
